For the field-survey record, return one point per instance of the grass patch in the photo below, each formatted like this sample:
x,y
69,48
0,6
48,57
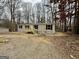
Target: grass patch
x,y
16,33
3,40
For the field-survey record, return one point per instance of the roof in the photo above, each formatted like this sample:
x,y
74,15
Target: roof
x,y
54,1
36,24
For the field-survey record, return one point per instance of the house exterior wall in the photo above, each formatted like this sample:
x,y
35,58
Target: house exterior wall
x,y
41,29
21,29
24,29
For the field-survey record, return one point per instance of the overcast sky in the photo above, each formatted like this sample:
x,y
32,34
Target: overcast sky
x,y
33,1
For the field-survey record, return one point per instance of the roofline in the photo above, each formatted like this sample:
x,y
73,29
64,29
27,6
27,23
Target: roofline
x,y
36,24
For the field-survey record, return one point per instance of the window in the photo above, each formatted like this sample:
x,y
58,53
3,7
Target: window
x,y
26,26
36,26
20,26
48,27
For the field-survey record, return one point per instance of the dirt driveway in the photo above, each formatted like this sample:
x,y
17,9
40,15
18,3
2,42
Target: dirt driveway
x,y
24,46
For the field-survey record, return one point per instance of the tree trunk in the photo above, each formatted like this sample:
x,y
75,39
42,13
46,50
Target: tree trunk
x,y
65,27
76,20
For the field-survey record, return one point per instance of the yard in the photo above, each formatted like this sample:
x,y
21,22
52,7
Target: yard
x,y
33,46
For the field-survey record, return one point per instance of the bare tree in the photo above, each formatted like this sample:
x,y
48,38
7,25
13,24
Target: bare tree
x,y
27,11
2,4
18,17
76,20
13,5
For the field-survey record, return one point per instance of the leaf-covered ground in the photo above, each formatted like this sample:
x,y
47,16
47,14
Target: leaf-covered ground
x,y
31,46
